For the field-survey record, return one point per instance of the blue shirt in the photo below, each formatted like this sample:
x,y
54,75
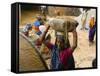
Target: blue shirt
x,y
37,23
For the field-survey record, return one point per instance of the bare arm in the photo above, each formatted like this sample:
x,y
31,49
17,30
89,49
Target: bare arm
x,y
74,39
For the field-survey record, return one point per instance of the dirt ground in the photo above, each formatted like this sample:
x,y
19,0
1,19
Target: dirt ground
x,y
84,54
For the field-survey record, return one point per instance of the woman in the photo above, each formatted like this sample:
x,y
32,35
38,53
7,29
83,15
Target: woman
x,y
61,52
92,30
36,25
